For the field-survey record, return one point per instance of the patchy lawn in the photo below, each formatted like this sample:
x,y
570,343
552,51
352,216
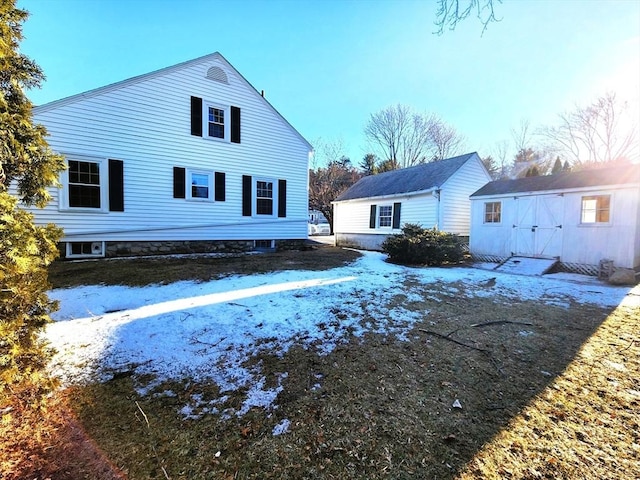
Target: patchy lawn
x,y
367,370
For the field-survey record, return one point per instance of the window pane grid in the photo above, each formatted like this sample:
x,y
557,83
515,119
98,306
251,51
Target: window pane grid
x,y
264,198
84,196
386,213
84,184
200,185
492,212
595,209
216,122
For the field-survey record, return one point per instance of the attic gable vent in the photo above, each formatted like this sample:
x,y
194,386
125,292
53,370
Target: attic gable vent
x,y
217,74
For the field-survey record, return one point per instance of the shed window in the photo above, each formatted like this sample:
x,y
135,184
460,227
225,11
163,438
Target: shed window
x,y
385,214
595,209
492,212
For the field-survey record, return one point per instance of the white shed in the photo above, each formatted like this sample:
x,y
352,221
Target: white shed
x,y
433,194
579,218
188,158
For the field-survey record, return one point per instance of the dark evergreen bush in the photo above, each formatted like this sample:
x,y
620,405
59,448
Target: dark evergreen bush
x,y
423,246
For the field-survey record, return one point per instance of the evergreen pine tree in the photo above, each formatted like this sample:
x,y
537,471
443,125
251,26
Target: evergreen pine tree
x,y
27,168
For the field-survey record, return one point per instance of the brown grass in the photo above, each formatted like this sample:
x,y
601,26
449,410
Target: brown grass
x,y
546,392
169,269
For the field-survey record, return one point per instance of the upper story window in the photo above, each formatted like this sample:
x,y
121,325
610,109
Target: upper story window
x,y
385,215
264,197
84,184
492,212
210,119
216,122
595,209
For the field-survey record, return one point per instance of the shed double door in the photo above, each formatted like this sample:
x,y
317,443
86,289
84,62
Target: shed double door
x,y
538,228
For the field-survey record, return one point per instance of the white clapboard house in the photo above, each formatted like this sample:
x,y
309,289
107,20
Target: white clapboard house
x,y
188,158
432,194
579,218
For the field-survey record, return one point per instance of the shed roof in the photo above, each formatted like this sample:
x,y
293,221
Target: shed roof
x,y
620,175
422,177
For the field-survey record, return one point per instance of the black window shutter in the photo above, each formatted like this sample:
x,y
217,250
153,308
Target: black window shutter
x,y
196,116
220,187
282,198
246,195
372,217
116,185
235,125
396,215
178,182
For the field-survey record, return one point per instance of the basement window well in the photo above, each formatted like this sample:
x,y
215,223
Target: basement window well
x,y
85,249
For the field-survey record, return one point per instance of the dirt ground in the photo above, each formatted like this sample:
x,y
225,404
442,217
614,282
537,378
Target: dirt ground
x,y
483,387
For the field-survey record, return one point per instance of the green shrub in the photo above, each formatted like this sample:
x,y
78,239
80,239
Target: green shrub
x,y
423,246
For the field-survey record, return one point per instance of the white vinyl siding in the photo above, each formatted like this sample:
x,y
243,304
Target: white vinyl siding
x,y
353,216
455,206
150,150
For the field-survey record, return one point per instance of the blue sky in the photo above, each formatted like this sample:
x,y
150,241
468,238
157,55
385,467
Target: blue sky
x,y
328,65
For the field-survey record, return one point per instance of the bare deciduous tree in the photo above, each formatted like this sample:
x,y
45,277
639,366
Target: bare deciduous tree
x,y
501,150
402,137
451,12
595,133
326,183
447,142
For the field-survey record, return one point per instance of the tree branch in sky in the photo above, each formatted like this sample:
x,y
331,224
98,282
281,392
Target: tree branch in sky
x,y
451,12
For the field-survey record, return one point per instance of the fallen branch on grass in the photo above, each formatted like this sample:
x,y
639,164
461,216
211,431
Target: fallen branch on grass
x,y
447,337
500,322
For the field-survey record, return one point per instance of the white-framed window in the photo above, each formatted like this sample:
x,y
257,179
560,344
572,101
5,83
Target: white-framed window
x,y
264,195
595,209
385,215
217,121
493,212
84,185
84,249
200,185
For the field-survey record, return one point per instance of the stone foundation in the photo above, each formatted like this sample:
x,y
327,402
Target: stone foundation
x,y
126,249
169,247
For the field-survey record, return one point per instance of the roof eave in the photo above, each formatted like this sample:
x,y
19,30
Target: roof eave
x,y
558,190
386,197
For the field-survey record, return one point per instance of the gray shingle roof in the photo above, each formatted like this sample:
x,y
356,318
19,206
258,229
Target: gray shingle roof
x,y
413,179
564,181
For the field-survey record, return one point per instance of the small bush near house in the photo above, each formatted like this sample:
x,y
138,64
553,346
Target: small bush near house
x,y
423,246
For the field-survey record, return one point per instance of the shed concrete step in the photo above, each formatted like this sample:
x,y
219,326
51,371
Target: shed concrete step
x,y
527,265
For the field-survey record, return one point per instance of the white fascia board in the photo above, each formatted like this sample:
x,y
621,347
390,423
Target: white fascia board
x,y
387,197
596,188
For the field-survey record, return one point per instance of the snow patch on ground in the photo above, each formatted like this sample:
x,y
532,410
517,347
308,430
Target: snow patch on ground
x,y
208,331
